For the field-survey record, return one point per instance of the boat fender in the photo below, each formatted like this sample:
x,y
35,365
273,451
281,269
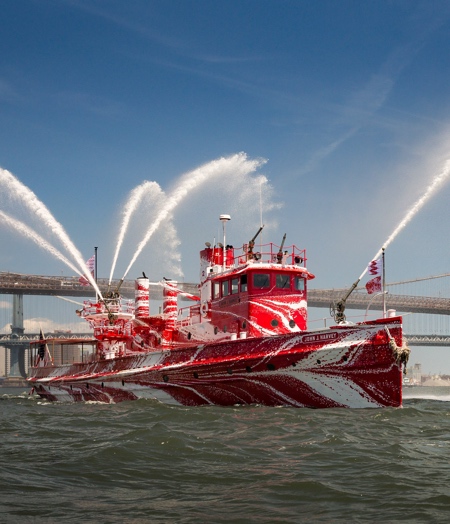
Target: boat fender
x,y
401,353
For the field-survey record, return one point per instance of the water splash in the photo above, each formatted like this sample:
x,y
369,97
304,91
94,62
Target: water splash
x,y
436,183
29,233
171,254
237,164
30,200
134,199
69,300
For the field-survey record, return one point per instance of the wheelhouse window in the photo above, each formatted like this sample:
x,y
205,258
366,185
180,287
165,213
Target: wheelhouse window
x,y
234,286
299,283
261,280
283,281
216,290
225,288
243,282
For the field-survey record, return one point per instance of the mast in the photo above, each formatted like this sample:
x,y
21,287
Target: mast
x,y
224,219
384,285
95,270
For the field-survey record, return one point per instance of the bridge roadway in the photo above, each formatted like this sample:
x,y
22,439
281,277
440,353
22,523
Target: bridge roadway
x,y
16,284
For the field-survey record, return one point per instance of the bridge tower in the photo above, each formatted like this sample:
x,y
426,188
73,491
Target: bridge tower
x,y
17,328
16,363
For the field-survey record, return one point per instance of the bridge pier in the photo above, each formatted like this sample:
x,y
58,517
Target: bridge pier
x,y
17,328
15,356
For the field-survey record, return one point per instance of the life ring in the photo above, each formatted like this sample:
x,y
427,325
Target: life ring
x,y
204,309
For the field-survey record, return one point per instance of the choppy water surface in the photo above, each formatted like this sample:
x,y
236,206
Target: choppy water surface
x,y
144,461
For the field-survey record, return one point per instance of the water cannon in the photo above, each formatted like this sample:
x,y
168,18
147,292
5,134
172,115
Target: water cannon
x,y
116,292
251,244
280,252
337,309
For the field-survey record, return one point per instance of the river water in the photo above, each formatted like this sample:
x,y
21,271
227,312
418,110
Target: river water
x,y
142,461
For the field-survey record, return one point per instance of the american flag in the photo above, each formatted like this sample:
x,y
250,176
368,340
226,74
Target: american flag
x,y
41,350
43,355
90,265
374,285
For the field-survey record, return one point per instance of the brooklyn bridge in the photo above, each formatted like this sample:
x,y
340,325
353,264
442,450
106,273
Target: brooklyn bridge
x,y
426,312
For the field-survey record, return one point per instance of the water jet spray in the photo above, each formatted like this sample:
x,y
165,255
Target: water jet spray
x,y
30,200
29,233
337,310
135,198
190,181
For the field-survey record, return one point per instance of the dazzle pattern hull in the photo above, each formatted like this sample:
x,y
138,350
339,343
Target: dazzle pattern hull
x,y
243,340
340,367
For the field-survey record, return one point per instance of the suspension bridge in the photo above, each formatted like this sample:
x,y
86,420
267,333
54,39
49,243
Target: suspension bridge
x,y
423,302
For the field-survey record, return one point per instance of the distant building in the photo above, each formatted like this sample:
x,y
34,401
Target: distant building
x,y
416,374
2,361
413,375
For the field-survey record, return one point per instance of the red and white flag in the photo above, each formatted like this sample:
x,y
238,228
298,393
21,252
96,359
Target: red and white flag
x,y
374,285
375,267
91,266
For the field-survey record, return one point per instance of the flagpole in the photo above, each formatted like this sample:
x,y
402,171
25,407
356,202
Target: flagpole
x,y
384,286
95,271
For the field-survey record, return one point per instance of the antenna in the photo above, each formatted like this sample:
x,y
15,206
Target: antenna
x,y
260,208
260,204
224,219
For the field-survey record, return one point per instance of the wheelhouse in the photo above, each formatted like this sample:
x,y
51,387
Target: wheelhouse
x,y
246,293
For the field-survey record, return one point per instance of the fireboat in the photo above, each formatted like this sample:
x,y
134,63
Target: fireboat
x,y
244,339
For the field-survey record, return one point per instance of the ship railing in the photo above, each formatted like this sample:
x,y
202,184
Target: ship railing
x,y
263,253
189,315
116,307
112,331
63,352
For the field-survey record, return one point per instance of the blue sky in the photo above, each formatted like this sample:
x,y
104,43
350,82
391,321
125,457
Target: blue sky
x,y
347,101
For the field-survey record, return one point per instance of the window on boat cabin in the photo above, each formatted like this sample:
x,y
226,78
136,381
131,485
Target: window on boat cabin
x,y
225,288
234,286
243,282
216,289
299,284
283,281
261,280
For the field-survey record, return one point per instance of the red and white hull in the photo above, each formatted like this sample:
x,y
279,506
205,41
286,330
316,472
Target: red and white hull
x,y
345,366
